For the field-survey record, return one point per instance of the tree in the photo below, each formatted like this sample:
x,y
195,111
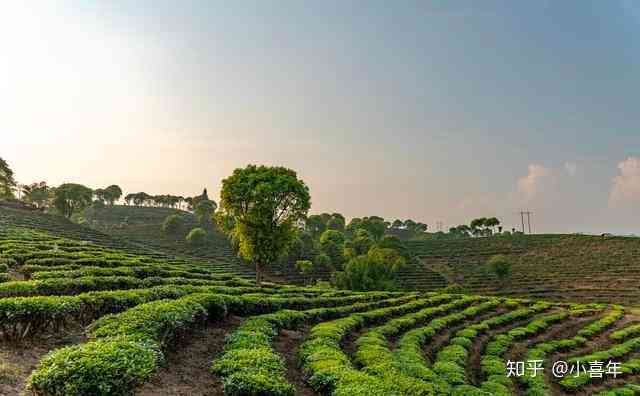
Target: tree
x,y
374,271
336,222
359,244
477,225
36,194
501,266
172,224
7,182
265,203
315,225
492,222
204,211
332,244
112,194
196,236
374,225
305,267
71,197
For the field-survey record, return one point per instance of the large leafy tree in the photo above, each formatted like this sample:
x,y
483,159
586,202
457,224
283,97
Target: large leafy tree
x,y
71,197
112,194
7,182
265,203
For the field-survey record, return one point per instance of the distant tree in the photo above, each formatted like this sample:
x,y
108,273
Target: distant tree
x,y
202,197
377,270
172,224
491,223
128,199
315,225
36,194
323,261
501,266
374,225
336,222
112,194
359,244
305,268
71,197
7,182
196,237
99,194
477,226
397,223
394,243
266,203
332,244
204,211
420,228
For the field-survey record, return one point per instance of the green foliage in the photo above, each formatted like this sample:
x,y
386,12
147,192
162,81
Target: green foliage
x,y
500,265
265,203
374,225
204,211
374,271
7,182
197,236
70,198
172,224
36,194
304,267
332,245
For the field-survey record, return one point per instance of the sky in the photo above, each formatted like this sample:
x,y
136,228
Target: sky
x,y
439,111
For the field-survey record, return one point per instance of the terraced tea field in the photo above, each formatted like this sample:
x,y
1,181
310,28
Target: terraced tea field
x,y
86,319
554,267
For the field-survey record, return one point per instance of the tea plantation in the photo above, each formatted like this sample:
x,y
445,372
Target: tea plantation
x,y
99,316
556,267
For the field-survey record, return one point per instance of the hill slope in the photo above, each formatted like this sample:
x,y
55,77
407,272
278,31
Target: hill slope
x,y
119,323
138,238
559,267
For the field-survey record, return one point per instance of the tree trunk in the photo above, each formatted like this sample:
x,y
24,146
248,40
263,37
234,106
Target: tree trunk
x,y
258,274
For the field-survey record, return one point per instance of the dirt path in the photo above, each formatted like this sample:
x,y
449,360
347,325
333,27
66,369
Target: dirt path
x,y
187,371
18,360
474,370
286,345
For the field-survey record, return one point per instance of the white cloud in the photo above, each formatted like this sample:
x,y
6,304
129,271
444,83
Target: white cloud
x,y
626,186
571,168
529,185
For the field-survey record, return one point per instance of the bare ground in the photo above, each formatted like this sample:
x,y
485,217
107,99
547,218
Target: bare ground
x,y
187,371
286,345
18,360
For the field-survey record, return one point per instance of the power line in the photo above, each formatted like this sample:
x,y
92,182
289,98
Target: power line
x,y
528,213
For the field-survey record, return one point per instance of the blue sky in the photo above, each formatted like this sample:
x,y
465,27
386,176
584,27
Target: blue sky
x,y
435,110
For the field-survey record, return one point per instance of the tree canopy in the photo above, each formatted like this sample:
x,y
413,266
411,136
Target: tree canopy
x,y
71,197
266,203
7,182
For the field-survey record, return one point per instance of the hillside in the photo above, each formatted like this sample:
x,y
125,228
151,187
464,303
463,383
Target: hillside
x,y
102,321
144,225
558,267
138,239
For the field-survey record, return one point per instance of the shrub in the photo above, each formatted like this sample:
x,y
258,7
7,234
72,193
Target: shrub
x,y
500,265
197,236
172,224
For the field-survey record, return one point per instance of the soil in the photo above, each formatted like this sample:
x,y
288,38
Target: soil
x,y
187,371
19,359
286,345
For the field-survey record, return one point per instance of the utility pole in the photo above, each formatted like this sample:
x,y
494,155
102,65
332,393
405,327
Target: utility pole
x,y
528,213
